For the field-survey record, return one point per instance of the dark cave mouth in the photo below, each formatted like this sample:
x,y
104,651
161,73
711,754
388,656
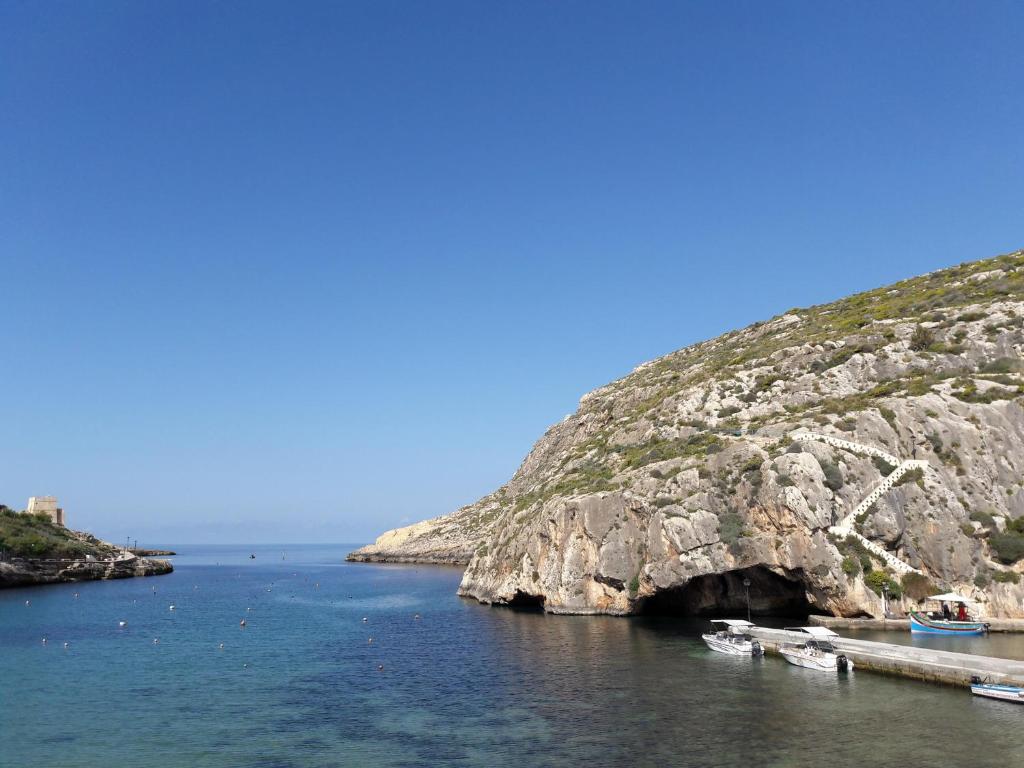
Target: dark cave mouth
x,y
523,601
718,594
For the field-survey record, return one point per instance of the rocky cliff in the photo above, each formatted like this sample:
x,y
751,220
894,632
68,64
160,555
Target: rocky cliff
x,y
875,442
33,550
23,573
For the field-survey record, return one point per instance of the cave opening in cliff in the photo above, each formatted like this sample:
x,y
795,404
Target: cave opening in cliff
x,y
522,601
718,594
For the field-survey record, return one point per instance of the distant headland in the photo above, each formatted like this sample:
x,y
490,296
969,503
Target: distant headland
x,y
36,548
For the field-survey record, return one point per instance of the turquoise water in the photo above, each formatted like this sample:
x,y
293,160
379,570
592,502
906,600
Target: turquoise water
x,y
465,685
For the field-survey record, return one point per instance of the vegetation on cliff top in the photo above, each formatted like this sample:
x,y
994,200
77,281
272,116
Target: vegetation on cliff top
x,y
862,320
36,536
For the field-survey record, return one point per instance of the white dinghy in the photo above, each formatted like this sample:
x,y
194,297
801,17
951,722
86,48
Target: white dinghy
x,y
991,690
731,636
817,652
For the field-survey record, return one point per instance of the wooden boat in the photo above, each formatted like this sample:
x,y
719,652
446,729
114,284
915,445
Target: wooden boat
x,y
817,652
730,636
1011,693
921,622
936,624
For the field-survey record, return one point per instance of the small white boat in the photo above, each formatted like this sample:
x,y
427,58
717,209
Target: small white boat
x,y
817,652
995,691
730,636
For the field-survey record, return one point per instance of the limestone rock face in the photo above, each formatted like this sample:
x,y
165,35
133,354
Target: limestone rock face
x,y
28,572
670,487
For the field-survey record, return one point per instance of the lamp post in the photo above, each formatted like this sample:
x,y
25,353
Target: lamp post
x,y
746,590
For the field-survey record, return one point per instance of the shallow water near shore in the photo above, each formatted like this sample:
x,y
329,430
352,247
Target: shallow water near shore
x,y
463,685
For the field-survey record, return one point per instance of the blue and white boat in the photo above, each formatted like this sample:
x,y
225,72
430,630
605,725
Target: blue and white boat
x,y
1011,693
936,623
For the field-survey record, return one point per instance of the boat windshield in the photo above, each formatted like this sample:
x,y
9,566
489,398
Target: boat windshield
x,y
822,645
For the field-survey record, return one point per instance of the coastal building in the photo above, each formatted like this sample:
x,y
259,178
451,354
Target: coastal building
x,y
46,505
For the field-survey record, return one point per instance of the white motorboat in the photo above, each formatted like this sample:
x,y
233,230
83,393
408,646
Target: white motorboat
x,y
817,652
731,636
995,691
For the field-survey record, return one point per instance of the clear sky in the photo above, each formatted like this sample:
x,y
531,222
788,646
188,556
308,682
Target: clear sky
x,y
307,271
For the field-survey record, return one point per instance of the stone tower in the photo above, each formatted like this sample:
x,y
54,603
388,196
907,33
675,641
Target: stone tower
x,y
46,505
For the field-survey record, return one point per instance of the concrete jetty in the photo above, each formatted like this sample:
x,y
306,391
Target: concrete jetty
x,y
903,625
907,661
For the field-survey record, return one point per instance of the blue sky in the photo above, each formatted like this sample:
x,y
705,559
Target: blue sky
x,y
306,271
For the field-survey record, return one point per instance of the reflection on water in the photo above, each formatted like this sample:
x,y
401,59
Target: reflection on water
x,y
464,685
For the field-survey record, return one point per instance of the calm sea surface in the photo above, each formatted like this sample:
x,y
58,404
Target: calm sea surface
x,y
465,685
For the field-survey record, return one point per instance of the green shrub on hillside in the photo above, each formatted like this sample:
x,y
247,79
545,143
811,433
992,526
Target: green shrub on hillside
x,y
833,476
1007,547
878,579
917,586
921,339
35,536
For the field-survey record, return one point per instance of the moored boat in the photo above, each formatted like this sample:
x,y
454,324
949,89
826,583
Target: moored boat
x,y
998,691
730,636
942,622
816,653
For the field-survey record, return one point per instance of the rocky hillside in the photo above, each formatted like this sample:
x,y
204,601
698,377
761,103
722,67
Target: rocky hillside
x,y
35,551
749,457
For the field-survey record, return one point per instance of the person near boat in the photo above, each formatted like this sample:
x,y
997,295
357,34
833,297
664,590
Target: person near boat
x,y
941,622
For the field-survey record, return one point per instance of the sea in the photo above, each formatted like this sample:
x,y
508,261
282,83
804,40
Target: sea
x,y
351,664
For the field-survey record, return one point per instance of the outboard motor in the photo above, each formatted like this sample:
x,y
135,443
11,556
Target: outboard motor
x,y
975,680
755,648
842,663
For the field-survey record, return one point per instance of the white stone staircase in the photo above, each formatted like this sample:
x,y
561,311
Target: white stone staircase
x,y
846,445
883,487
848,525
897,565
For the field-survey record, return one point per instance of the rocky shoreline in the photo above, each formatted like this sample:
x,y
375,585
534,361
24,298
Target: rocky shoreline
x,y
23,573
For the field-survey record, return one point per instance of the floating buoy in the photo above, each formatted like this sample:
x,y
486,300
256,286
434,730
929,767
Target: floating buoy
x,y
380,667
156,640
171,607
221,646
28,602
245,665
44,641
67,645
365,619
76,595
241,623
122,623
417,617
370,641
247,610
